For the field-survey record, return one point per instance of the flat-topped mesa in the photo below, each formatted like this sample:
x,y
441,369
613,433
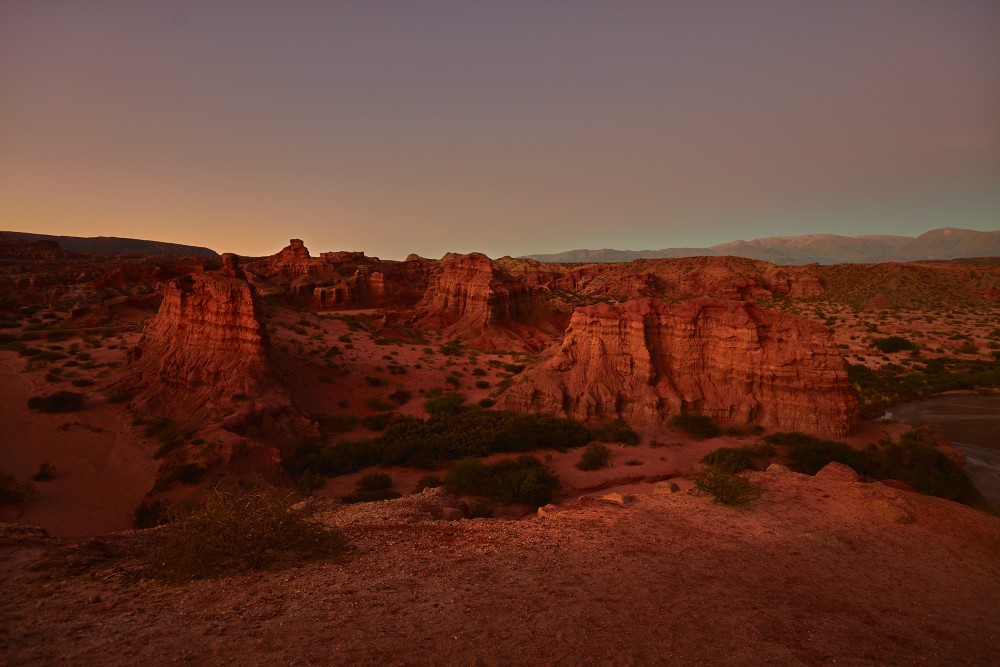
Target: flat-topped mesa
x,y
647,360
206,344
468,295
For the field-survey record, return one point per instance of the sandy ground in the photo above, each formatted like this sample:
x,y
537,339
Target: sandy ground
x,y
820,570
104,466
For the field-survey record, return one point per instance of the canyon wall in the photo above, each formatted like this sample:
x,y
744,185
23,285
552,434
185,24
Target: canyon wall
x,y
646,360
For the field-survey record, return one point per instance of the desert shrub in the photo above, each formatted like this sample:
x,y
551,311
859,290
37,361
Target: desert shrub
x,y
524,480
401,396
337,423
82,382
379,404
893,344
513,369
594,457
451,348
482,384
916,461
444,404
60,401
373,486
809,455
375,381
428,482
238,531
486,402
14,493
309,481
730,459
150,514
616,431
378,422
478,372
46,472
447,437
725,486
699,427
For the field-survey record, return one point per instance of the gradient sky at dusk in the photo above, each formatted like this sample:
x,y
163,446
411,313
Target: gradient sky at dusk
x,y
507,127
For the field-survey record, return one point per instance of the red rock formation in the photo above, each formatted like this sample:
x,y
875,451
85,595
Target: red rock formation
x,y
205,344
647,360
469,297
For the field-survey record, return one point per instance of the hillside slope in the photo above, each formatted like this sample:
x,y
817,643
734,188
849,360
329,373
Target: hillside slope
x,y
113,245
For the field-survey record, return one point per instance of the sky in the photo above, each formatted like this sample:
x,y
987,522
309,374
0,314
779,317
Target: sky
x,y
513,127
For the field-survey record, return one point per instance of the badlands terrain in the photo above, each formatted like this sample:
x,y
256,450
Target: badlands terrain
x,y
183,373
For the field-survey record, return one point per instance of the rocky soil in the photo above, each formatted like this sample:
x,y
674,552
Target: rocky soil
x,y
820,570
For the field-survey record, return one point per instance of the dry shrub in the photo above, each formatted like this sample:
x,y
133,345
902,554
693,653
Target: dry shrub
x,y
238,531
725,486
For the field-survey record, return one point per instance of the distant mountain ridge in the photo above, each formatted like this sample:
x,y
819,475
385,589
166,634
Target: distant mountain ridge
x,y
113,245
937,244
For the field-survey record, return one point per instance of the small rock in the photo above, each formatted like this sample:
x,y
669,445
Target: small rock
x,y
776,468
839,471
665,488
892,512
451,514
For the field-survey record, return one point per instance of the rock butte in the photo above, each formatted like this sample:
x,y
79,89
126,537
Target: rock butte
x,y
646,360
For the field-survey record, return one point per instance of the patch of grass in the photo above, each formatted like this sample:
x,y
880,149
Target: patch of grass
x,y
594,457
698,427
234,532
60,401
150,513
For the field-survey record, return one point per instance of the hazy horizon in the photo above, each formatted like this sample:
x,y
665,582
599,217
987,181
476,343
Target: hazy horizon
x,y
522,128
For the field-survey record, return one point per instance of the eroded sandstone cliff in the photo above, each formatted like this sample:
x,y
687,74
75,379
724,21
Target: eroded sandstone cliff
x,y
646,360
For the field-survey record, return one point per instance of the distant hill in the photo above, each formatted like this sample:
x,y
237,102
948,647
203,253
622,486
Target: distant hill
x,y
937,244
112,245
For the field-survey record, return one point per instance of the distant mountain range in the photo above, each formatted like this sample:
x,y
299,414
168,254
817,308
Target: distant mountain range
x,y
946,243
112,245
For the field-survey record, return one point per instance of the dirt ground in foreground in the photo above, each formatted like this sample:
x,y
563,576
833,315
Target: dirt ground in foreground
x,y
819,570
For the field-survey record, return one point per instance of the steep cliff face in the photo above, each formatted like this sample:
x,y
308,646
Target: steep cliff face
x,y
468,296
205,344
646,360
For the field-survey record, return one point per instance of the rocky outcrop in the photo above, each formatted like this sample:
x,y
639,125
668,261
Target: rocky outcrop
x,y
206,343
647,360
468,297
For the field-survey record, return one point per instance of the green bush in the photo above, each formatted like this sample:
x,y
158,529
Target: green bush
x,y
309,481
725,486
809,455
234,532
378,422
524,481
373,486
444,404
594,457
61,401
699,427
401,396
616,431
428,482
379,404
893,344
419,443
730,459
337,423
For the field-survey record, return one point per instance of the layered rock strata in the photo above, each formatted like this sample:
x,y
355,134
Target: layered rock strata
x,y
647,360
